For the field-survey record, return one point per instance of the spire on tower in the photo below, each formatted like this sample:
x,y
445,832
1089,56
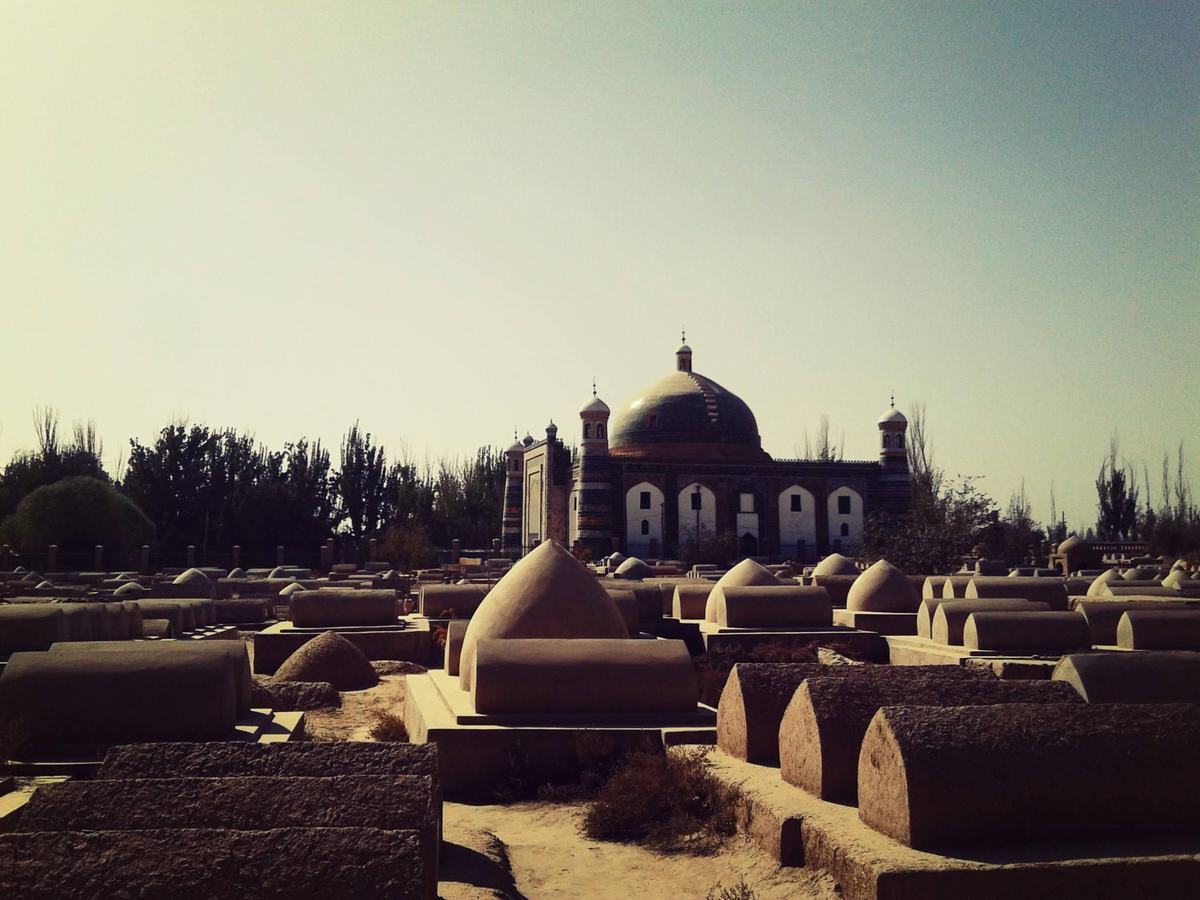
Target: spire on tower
x,y
893,399
593,386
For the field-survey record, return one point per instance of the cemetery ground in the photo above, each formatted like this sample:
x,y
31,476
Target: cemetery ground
x,y
536,848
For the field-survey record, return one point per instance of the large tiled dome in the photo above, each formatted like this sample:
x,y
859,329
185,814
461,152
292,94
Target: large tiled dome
x,y
687,416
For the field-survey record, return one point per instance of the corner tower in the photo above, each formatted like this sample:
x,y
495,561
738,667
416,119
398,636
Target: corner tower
x,y
514,497
593,493
896,480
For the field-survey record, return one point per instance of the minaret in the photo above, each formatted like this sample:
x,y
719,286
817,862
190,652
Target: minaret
x,y
514,496
896,480
593,493
595,426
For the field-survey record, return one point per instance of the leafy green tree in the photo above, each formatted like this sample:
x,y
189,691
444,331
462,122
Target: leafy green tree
x,y
217,488
171,480
368,487
77,513
468,499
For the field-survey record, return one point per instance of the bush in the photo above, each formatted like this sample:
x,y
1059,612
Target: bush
x,y
77,514
739,891
389,727
670,802
407,548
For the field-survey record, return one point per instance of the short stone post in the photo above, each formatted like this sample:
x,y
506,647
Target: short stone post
x,y
191,555
327,556
144,561
495,547
99,558
372,547
4,552
52,558
236,557
279,555
455,551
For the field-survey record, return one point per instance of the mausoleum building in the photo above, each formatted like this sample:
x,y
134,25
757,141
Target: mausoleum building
x,y
684,459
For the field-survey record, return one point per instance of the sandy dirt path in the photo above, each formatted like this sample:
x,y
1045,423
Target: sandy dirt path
x,y
550,857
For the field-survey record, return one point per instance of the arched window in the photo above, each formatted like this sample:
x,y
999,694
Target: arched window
x,y
845,530
587,430
645,526
899,440
600,430
887,440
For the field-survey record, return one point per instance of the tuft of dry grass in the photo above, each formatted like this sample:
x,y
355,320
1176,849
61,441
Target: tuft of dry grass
x,y
389,727
739,891
672,803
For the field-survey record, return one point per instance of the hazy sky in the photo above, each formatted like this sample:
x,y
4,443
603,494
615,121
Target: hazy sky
x,y
443,220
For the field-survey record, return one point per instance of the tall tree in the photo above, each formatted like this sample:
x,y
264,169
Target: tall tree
x,y
824,448
1117,494
368,486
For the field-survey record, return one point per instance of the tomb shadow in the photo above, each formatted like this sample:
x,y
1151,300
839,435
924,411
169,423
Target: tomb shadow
x,y
464,865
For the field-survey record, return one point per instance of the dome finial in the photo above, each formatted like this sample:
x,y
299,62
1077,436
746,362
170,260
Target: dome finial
x,y
683,335
893,398
593,387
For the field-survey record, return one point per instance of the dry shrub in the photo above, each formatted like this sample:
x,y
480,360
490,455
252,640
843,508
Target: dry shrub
x,y
739,891
598,755
389,727
397,667
672,803
573,777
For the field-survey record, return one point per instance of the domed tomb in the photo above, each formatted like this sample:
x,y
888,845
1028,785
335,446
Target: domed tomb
x,y
747,573
687,416
1175,579
1070,544
883,588
1140,573
547,594
633,569
835,564
192,576
1096,589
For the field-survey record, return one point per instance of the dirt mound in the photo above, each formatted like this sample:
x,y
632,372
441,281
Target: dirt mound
x,y
294,695
331,658
397,667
